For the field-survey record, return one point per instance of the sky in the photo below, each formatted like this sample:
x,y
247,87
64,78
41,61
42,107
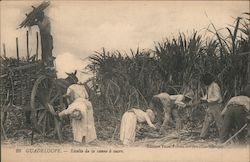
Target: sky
x,y
79,28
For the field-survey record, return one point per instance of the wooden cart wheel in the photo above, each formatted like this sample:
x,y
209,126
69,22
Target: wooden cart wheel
x,y
45,92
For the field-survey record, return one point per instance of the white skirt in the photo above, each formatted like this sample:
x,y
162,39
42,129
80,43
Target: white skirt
x,y
128,128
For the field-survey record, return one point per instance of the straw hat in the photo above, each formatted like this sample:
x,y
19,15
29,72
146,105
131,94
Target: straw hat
x,y
151,114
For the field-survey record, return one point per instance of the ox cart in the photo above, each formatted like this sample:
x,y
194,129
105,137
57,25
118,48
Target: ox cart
x,y
28,84
30,87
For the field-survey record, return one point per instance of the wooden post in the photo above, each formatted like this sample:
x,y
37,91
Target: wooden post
x,y
27,37
37,45
17,51
58,129
4,51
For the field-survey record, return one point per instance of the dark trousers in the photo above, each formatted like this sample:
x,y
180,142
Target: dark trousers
x,y
172,118
47,47
234,119
212,114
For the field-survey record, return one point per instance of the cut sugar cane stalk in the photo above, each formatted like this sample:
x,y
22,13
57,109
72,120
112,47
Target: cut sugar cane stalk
x,y
241,129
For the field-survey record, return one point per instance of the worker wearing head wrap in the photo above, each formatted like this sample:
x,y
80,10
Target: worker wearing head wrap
x,y
168,102
81,113
129,122
235,116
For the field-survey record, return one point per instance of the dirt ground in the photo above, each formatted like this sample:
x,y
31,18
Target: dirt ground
x,y
108,135
182,139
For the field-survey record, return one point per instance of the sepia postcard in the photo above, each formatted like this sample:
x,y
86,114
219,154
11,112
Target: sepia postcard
x,y
125,81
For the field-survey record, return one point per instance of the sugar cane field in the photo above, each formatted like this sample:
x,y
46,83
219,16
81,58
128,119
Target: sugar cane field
x,y
119,80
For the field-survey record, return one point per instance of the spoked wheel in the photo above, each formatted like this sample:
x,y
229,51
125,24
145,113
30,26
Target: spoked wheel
x,y
45,99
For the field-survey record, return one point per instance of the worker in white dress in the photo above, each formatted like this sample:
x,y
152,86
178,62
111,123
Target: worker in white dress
x,y
81,114
129,122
